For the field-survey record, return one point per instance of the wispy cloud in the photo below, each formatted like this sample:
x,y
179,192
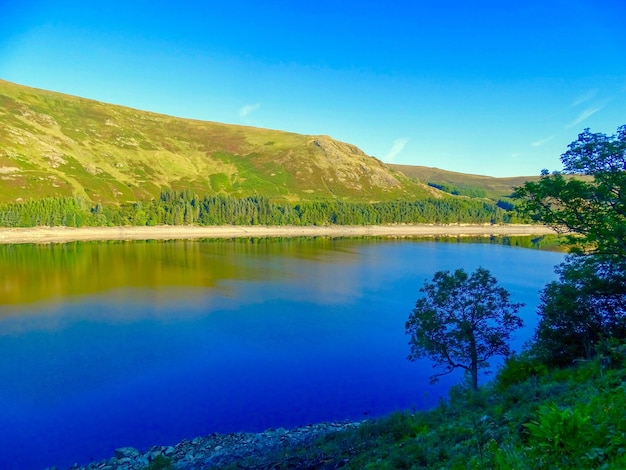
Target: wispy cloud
x,y
540,142
396,148
583,98
248,109
587,113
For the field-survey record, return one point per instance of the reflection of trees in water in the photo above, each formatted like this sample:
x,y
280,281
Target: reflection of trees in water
x,y
33,273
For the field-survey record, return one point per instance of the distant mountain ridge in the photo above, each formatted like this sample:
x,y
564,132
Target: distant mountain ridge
x,y
52,144
493,188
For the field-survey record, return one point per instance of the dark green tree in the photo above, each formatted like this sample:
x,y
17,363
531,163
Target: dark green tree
x,y
586,305
588,198
461,321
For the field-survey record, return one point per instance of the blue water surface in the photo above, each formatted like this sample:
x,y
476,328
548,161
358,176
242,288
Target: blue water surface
x,y
310,337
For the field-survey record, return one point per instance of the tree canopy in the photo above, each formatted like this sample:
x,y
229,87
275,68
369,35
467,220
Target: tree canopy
x,y
461,321
185,207
587,198
585,306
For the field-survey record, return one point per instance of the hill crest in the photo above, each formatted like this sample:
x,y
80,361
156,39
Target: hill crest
x,y
53,144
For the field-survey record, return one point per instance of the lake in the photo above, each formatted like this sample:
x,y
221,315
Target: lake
x,y
111,344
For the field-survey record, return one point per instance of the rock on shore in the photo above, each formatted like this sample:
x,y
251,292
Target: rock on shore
x,y
218,450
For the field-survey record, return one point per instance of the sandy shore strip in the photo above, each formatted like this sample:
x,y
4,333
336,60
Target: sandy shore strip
x,y
171,232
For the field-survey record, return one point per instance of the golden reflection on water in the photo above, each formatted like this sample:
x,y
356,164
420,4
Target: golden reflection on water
x,y
33,273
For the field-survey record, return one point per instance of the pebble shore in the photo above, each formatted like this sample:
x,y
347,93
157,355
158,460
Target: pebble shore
x,y
217,450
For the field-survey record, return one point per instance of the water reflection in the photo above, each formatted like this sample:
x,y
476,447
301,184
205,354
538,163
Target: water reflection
x,y
33,273
104,345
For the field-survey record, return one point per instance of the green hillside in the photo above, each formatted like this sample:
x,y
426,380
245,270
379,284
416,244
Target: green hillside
x,y
465,184
53,144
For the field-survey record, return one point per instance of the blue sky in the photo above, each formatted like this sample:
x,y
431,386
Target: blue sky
x,y
487,87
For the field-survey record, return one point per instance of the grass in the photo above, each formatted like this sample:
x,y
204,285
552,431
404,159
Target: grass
x,y
493,188
116,154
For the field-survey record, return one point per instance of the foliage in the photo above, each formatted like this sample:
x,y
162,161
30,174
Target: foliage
x,y
587,200
462,321
519,368
587,304
592,202
185,207
506,204
68,211
558,431
460,189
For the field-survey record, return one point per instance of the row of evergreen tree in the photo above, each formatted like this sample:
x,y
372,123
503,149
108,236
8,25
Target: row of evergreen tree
x,y
184,208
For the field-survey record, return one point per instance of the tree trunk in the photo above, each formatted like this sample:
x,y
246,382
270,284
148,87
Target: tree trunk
x,y
474,372
473,361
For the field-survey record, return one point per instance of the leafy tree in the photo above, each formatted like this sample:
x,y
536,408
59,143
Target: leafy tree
x,y
587,304
462,321
588,201
592,202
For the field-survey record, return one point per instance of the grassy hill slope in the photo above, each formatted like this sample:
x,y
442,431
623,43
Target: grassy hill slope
x,y
53,144
477,185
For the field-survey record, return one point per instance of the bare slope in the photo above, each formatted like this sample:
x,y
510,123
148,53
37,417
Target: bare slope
x,y
53,144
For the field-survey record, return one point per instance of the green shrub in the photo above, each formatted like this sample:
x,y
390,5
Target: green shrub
x,y
559,435
519,368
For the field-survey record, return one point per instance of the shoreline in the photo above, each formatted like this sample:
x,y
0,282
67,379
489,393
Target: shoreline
x,y
266,449
43,235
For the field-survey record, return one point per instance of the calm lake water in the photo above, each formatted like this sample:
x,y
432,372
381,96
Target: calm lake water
x,y
104,345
